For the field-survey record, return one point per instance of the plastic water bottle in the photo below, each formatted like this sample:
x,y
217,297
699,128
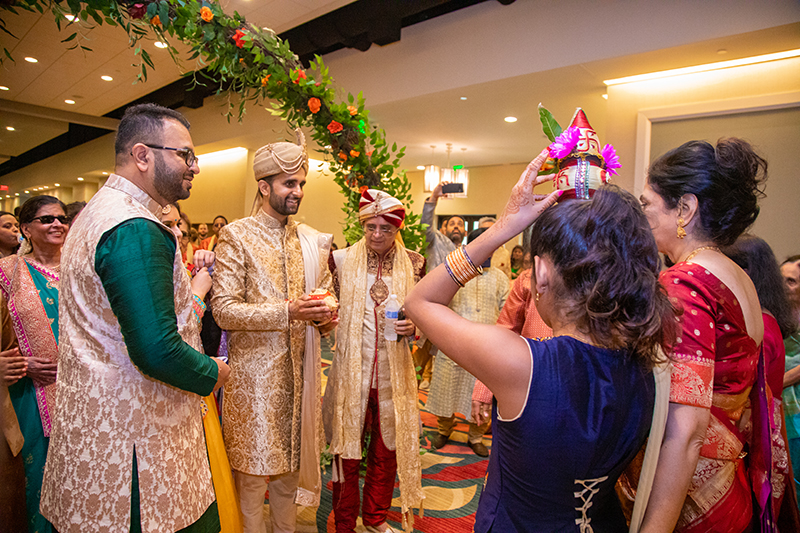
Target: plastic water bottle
x,y
392,313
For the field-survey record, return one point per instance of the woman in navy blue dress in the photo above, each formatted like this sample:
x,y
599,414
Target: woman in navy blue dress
x,y
571,411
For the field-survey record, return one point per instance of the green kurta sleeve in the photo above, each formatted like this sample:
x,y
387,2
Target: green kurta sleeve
x,y
135,263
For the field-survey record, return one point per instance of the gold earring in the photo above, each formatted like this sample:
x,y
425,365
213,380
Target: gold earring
x,y
537,296
681,231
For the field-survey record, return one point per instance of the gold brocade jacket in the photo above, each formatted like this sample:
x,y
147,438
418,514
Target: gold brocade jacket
x,y
106,406
259,267
374,356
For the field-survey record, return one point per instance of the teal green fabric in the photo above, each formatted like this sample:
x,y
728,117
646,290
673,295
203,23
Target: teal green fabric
x,y
135,263
207,523
23,398
791,394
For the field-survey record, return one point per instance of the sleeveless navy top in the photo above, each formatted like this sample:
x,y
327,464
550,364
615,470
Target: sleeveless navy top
x,y
554,467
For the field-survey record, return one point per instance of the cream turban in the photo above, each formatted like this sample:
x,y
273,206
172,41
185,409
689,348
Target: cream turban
x,y
375,203
281,157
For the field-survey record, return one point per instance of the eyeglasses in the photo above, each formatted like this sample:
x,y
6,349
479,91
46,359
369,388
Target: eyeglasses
x,y
49,219
186,153
377,229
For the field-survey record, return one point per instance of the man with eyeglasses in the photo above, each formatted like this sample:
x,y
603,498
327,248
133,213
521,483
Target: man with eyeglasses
x,y
127,450
267,264
372,384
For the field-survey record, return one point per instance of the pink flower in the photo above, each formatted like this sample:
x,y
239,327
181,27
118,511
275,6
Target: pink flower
x,y
137,11
610,157
564,143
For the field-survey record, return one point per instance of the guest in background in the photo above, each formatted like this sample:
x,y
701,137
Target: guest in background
x,y
209,243
755,257
790,270
9,234
517,256
479,301
30,282
501,259
699,197
73,209
202,230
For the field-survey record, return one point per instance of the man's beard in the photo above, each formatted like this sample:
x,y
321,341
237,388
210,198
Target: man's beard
x,y
456,238
168,183
279,204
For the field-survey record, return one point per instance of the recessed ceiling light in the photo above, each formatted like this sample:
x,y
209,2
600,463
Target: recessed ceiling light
x,y
80,179
4,88
31,60
27,192
106,78
463,97
69,17
420,167
11,128
68,101
510,119
159,44
16,194
58,185
105,173
605,97
8,196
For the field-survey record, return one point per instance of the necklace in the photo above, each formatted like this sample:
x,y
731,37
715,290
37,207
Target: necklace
x,y
578,338
698,250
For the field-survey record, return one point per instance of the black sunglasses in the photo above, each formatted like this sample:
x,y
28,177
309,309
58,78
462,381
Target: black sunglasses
x,y
186,153
49,219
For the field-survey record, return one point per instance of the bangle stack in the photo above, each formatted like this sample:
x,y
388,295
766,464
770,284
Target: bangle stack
x,y
460,267
198,309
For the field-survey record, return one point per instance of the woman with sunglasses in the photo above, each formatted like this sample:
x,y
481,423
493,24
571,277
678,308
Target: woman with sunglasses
x,y
29,282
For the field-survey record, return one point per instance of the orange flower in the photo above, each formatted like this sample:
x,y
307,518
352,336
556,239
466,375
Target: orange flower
x,y
155,21
343,156
314,104
241,60
354,153
301,75
206,14
265,79
362,189
352,109
369,154
237,38
335,127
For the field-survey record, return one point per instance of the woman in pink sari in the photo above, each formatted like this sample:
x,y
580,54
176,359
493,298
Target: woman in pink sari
x,y
29,282
700,197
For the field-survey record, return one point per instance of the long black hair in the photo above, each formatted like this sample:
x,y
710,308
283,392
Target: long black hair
x,y
608,266
755,256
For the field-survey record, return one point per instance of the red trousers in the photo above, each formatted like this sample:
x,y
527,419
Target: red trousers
x,y
379,482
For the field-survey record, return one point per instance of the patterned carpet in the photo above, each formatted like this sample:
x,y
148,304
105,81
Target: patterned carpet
x,y
451,480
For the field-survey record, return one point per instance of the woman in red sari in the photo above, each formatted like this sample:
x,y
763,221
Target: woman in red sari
x,y
700,197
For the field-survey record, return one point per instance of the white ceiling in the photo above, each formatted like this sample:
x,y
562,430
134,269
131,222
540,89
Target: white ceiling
x,y
504,59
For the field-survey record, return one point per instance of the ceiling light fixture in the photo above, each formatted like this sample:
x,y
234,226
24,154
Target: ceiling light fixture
x,y
420,167
106,78
68,101
58,185
31,60
11,128
27,192
80,179
510,119
432,174
463,97
462,176
105,173
16,194
4,88
159,44
705,68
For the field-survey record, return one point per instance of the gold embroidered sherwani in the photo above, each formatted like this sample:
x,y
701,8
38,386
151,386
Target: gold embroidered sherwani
x,y
259,267
106,406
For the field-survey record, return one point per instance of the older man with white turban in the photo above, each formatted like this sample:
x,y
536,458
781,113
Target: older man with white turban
x,y
372,387
266,267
